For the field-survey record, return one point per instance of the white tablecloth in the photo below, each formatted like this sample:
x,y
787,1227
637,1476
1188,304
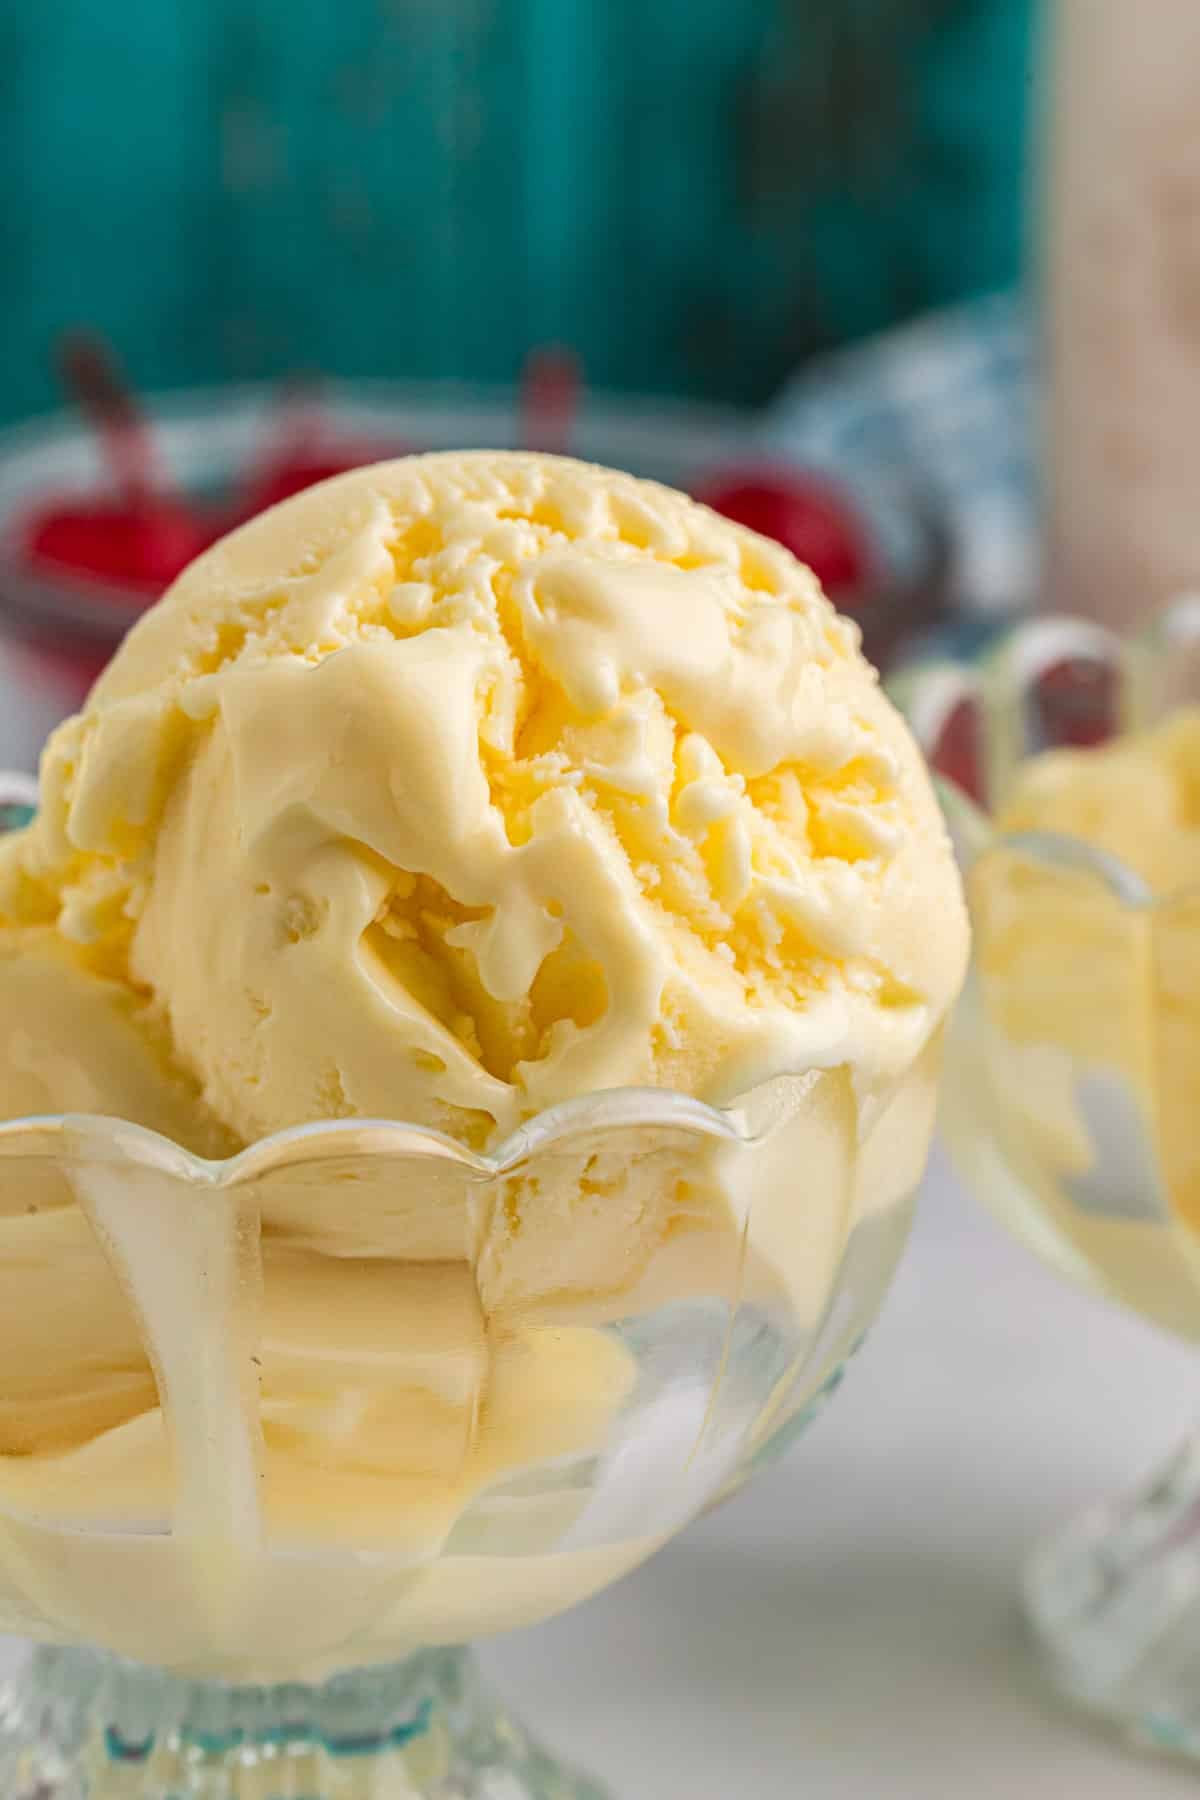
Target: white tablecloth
x,y
846,1629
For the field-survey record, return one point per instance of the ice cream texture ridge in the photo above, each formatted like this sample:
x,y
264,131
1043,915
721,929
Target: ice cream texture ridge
x,y
450,790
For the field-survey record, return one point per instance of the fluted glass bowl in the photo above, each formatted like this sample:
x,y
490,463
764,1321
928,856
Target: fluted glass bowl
x,y
1071,1101
266,1464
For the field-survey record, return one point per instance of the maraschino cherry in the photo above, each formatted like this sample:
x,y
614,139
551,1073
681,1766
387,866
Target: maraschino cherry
x,y
300,452
803,512
141,534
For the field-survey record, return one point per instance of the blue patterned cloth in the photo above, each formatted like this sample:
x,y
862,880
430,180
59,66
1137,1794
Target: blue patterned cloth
x,y
938,413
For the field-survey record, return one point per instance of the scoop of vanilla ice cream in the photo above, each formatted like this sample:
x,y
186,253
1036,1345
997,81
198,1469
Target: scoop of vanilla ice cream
x,y
468,783
1137,798
1070,968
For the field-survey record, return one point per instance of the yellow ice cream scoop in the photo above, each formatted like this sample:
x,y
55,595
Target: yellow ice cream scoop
x,y
467,783
1105,972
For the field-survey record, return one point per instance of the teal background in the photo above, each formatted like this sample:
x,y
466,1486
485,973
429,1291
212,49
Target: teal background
x,y
694,193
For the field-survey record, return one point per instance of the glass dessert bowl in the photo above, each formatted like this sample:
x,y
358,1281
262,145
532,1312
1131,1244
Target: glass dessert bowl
x,y
562,824
1071,1100
237,1538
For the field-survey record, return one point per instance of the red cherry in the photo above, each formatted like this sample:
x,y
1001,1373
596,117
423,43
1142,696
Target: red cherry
x,y
804,513
958,754
1074,704
140,547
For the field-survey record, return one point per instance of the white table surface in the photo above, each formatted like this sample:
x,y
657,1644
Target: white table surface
x,y
846,1629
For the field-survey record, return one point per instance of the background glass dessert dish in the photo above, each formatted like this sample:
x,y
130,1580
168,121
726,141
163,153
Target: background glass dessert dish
x,y
170,1559
1072,1092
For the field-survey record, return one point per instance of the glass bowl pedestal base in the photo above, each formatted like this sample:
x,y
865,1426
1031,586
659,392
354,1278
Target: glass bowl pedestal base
x,y
81,1725
1114,1604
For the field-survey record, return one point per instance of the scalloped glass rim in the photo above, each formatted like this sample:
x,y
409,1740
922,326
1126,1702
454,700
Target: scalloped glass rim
x,y
1069,855
102,1137
928,694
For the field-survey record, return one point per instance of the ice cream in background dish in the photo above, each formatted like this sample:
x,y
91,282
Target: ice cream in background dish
x,y
1137,798
1080,1054
452,790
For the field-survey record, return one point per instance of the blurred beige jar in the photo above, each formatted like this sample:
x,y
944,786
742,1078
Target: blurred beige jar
x,y
1121,230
